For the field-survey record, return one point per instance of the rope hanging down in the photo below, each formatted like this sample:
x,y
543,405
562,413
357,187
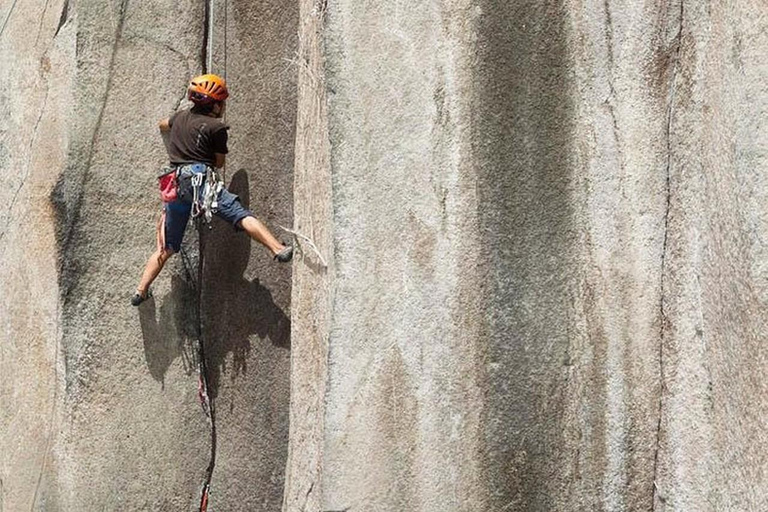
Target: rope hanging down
x,y
206,401
209,51
209,43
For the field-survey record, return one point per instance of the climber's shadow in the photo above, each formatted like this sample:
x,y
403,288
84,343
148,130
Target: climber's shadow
x,y
235,308
172,334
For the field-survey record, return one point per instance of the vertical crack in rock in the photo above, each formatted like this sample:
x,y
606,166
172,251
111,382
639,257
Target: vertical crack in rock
x,y
33,138
206,401
51,417
657,494
203,384
27,170
208,408
195,279
63,17
30,151
306,496
612,96
42,19
67,231
609,40
7,17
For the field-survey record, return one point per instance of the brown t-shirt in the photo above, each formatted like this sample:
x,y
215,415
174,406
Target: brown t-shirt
x,y
195,137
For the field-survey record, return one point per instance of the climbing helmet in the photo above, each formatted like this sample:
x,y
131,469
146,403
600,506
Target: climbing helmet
x,y
207,89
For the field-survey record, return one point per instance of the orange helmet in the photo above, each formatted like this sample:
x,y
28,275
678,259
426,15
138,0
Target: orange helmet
x,y
207,89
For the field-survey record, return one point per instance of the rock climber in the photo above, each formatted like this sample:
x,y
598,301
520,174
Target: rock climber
x,y
198,144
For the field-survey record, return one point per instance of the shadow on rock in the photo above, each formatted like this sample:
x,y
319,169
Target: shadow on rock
x,y
234,307
171,331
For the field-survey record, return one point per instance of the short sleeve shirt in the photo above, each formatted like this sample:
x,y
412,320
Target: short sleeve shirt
x,y
196,137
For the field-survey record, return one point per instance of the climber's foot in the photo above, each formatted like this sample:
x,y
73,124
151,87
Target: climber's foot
x,y
138,298
285,255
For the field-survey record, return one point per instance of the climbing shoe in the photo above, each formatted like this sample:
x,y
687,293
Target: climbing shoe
x,y
139,298
285,255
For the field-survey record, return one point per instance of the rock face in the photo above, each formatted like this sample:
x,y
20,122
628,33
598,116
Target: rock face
x,y
38,60
546,229
100,409
541,277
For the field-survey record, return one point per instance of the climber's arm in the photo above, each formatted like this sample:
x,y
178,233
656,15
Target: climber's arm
x,y
165,125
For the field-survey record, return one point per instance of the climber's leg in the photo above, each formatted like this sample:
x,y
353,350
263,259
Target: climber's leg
x,y
233,212
155,264
170,233
259,232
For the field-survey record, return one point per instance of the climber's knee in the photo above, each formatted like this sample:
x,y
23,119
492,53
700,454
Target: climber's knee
x,y
163,255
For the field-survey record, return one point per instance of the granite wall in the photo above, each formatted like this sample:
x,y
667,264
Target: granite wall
x,y
541,274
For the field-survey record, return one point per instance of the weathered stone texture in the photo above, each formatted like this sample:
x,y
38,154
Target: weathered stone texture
x,y
543,271
548,242
100,409
401,351
245,302
129,403
311,304
35,106
713,431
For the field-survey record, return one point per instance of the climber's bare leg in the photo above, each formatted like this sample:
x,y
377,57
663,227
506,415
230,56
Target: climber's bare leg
x,y
261,234
155,264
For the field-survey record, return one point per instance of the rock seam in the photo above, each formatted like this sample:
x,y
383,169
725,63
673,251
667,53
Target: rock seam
x,y
206,401
657,495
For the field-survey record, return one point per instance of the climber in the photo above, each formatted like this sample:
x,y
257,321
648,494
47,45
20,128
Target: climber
x,y
197,145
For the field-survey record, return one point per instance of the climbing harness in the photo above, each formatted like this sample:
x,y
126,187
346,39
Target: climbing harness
x,y
200,185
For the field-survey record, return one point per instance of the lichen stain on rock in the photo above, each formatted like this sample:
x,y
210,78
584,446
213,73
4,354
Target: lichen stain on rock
x,y
424,244
380,446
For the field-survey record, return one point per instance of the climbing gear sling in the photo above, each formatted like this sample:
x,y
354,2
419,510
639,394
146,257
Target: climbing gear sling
x,y
200,185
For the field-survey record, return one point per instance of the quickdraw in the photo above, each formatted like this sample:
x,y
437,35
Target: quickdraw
x,y
197,183
211,191
206,188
